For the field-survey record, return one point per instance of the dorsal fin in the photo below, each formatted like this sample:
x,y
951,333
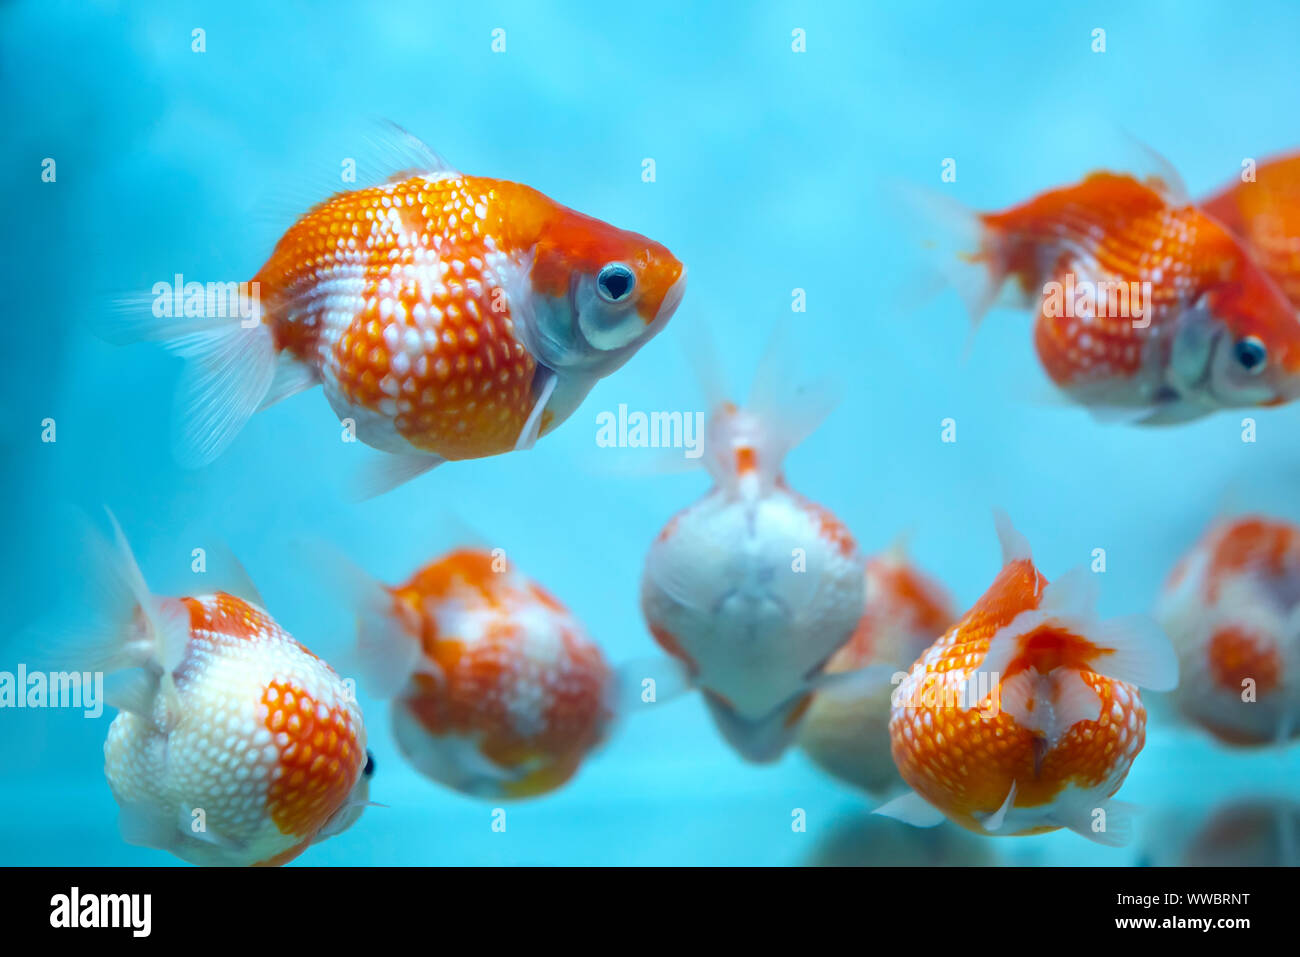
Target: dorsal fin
x,y
1015,547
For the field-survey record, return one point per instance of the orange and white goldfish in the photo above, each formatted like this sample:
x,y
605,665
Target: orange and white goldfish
x,y
1025,716
1265,212
447,316
754,587
497,690
1232,608
1148,310
846,731
235,745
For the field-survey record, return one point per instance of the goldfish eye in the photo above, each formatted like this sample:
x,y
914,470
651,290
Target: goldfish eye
x,y
369,769
615,282
1251,354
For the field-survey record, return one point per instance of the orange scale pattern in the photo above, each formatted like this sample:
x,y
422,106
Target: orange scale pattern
x,y
965,763
424,334
482,680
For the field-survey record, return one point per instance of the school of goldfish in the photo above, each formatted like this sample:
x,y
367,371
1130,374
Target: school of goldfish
x,y
451,317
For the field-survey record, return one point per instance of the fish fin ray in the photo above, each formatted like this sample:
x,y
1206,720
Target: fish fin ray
x,y
992,823
533,426
382,472
1140,653
228,372
911,808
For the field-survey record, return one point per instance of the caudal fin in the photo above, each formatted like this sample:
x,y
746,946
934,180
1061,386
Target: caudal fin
x,y
385,653
232,369
955,246
111,623
1133,649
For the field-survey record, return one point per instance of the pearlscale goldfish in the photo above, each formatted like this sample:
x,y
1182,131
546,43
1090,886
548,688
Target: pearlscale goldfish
x,y
1265,212
846,730
1232,609
1025,716
1148,310
497,690
235,745
447,316
754,587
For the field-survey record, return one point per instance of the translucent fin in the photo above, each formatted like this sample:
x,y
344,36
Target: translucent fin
x,y
133,690
641,683
109,637
385,653
790,411
1155,169
382,472
911,808
94,630
993,822
1109,822
1140,653
225,572
228,373
1073,595
395,153
1015,547
701,350
533,426
959,248
144,825
760,740
291,377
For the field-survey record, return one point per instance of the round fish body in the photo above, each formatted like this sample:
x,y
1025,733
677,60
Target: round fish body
x,y
507,696
259,751
1025,716
1232,610
753,587
447,317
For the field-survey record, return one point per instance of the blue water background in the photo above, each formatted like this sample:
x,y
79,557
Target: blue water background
x,y
773,172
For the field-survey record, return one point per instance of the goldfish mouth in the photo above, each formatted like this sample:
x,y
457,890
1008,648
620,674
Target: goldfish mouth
x,y
672,299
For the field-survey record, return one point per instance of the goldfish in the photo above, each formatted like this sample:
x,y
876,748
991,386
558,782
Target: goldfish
x,y
497,690
847,733
446,316
1232,608
1147,309
234,744
1265,213
754,587
1025,716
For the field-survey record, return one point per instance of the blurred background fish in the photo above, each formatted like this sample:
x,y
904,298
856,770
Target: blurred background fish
x,y
1263,207
145,141
755,587
846,730
1232,608
497,690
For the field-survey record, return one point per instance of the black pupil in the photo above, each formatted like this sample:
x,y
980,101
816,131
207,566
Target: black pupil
x,y
369,769
1249,353
615,282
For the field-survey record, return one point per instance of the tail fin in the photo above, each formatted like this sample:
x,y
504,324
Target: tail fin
x,y
791,410
957,246
385,653
1133,649
232,369
102,632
